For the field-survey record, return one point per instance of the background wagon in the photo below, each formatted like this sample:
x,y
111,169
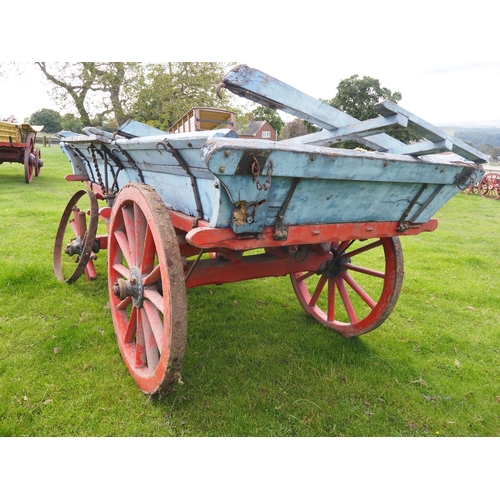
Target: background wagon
x,y
197,119
17,145
207,207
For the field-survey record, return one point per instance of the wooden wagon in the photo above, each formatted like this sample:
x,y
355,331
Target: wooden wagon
x,y
17,145
196,208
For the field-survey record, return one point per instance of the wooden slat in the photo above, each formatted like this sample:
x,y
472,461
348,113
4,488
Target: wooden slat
x,y
207,237
434,134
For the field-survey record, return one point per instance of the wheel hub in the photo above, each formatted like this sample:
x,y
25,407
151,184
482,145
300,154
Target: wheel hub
x,y
74,248
333,267
132,287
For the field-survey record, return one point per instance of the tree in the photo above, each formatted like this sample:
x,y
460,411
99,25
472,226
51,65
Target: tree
x,y
50,119
295,128
106,94
358,96
311,128
96,89
71,122
171,89
271,116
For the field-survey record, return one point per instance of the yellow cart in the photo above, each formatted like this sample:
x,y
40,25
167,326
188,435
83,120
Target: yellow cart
x,y
17,145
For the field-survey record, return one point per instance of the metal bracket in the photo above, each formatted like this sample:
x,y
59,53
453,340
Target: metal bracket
x,y
182,163
280,229
84,160
402,225
405,225
129,159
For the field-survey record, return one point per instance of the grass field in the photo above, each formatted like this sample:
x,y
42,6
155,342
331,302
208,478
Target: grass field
x,y
256,364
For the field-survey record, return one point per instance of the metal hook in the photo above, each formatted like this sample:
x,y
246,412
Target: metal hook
x,y
163,143
221,86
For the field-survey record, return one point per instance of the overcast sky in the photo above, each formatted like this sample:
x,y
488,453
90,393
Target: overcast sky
x,y
423,51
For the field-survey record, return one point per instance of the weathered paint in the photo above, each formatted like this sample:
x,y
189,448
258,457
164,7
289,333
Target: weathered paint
x,y
334,186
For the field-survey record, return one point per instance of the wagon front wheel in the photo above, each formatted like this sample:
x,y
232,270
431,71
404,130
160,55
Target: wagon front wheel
x,y
356,288
75,239
146,288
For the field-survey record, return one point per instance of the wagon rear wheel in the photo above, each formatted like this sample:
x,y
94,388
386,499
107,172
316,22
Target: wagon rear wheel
x,y
357,287
146,288
75,238
38,162
29,158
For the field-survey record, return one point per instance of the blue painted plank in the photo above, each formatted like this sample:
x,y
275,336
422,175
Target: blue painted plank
x,y
264,89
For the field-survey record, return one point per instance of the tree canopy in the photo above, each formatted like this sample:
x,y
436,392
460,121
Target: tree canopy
x,y
358,96
97,90
294,128
169,90
112,92
271,116
50,119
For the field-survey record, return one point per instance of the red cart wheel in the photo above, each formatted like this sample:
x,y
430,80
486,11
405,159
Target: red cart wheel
x,y
29,158
357,287
489,186
146,288
74,238
38,162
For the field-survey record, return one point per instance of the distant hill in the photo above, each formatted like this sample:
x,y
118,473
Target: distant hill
x,y
476,135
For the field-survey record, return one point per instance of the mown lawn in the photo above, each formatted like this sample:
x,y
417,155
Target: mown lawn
x,y
256,364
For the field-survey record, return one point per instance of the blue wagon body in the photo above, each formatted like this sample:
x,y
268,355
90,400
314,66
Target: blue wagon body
x,y
325,185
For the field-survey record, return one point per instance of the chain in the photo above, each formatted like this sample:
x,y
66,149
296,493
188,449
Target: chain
x,y
463,182
256,171
98,172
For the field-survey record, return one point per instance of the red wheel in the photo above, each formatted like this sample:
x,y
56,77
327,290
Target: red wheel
x,y
472,189
38,164
74,238
489,186
357,287
146,288
29,158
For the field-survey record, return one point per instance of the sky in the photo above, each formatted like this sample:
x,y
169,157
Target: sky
x,y
441,94
437,54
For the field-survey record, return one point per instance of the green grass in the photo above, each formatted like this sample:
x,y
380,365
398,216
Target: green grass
x,y
256,364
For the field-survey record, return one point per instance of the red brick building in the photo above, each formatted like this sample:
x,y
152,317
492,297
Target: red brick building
x,y
259,130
